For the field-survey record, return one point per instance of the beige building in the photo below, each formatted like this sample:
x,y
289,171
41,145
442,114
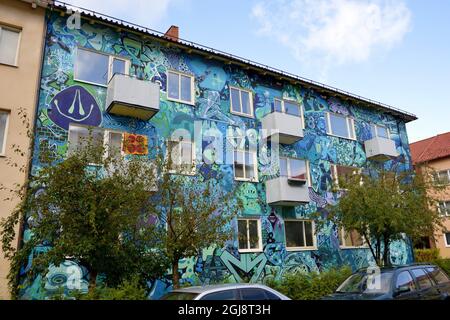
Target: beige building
x,y
435,153
21,41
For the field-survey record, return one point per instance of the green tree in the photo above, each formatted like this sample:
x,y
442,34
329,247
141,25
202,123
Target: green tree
x,y
384,207
195,210
91,207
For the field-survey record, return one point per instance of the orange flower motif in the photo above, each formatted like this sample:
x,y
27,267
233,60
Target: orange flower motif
x,y
135,144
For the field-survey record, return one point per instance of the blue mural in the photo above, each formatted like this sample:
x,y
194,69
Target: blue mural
x,y
63,100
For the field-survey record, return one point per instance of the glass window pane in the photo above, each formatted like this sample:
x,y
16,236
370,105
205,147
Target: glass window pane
x,y
238,164
246,102
422,278
115,143
3,120
298,169
373,131
222,295
382,132
277,106
292,108
353,239
242,234
9,41
443,177
91,66
249,165
254,235
283,167
404,279
253,294
338,125
175,153
351,133
118,66
173,86
447,238
309,234
437,275
186,90
235,100
294,234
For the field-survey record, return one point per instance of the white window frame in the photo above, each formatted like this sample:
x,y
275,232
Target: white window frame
x,y
334,173
185,173
447,206
5,135
255,167
19,40
341,239
179,74
110,66
260,245
376,131
283,109
250,93
314,235
438,176
350,126
308,172
447,245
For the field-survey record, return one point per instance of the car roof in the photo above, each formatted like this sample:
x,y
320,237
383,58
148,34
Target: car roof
x,y
404,266
201,289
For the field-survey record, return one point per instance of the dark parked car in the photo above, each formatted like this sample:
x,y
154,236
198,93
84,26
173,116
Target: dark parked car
x,y
408,282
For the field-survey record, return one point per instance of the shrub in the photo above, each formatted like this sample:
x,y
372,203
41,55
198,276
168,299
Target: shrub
x,y
426,255
310,286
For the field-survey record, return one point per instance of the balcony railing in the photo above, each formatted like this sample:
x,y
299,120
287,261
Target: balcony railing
x,y
287,191
284,126
132,97
380,149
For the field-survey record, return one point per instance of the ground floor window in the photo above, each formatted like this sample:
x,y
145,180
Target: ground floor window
x,y
447,239
249,235
350,239
299,234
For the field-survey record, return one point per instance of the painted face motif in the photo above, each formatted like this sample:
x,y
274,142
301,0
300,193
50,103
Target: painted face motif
x,y
74,105
249,196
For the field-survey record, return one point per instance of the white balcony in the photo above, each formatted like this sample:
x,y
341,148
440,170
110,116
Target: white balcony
x,y
287,127
131,97
284,191
380,149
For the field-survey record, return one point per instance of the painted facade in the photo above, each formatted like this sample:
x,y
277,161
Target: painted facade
x,y
150,60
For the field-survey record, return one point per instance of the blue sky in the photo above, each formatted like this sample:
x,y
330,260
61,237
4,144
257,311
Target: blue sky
x,y
393,51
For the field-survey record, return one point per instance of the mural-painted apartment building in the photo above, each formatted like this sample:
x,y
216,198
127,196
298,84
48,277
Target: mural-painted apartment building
x,y
124,79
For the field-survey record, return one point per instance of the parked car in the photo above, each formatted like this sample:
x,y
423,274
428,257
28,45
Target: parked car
x,y
237,291
408,282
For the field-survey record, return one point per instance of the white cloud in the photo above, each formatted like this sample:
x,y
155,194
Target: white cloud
x,y
328,32
142,12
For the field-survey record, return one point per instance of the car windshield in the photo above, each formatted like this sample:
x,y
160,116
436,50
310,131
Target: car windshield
x,y
362,282
180,296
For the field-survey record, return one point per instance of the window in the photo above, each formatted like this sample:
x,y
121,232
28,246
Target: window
x,y
221,295
422,278
183,156
253,294
444,208
442,177
294,169
4,119
249,235
245,166
447,239
438,276
340,126
350,239
289,107
379,131
299,234
241,102
405,282
341,173
98,68
81,137
9,45
180,87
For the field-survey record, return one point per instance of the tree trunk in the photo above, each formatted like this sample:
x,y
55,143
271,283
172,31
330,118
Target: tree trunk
x,y
175,275
92,281
386,253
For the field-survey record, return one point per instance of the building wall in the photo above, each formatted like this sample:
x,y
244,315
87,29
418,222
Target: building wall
x,y
151,60
444,195
18,89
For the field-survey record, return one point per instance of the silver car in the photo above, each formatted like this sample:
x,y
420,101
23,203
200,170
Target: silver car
x,y
235,291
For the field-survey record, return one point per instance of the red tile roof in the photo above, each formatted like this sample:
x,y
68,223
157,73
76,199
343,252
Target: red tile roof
x,y
430,149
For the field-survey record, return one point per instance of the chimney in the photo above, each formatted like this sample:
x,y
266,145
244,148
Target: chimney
x,y
172,33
